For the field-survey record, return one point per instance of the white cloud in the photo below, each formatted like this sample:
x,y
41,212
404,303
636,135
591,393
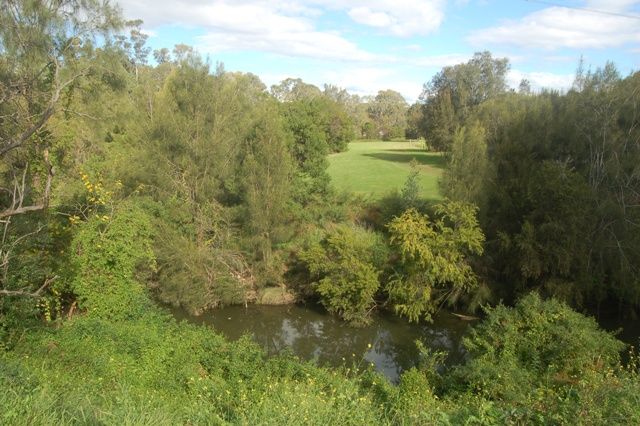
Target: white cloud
x,y
150,33
365,81
314,44
282,27
399,18
557,27
366,16
615,6
541,80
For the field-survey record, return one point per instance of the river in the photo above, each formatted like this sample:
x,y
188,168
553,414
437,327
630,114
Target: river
x,y
388,342
312,334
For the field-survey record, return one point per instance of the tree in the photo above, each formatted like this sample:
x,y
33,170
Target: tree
x,y
414,121
410,193
351,105
453,94
162,55
316,132
294,89
192,165
267,170
388,113
46,49
182,52
560,212
434,258
524,88
466,172
345,266
135,46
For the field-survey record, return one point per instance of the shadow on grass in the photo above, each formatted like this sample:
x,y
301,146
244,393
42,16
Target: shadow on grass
x,y
422,151
422,157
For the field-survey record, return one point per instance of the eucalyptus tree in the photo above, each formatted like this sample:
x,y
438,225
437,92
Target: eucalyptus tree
x,y
388,113
294,89
453,94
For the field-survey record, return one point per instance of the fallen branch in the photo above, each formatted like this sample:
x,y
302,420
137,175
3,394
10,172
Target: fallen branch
x,y
465,317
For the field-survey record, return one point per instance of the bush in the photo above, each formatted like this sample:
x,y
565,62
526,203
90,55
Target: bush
x,y
109,252
346,265
541,362
434,257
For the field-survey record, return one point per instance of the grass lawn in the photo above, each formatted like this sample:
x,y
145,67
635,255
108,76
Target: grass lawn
x,y
378,167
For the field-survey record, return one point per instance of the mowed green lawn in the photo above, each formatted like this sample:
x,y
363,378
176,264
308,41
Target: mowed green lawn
x,y
376,168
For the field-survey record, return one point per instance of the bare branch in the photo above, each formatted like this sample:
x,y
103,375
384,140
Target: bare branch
x,y
49,110
18,197
21,210
26,293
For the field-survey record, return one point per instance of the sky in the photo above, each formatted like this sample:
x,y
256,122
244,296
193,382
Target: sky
x,y
369,45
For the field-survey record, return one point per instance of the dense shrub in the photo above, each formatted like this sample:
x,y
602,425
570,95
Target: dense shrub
x,y
108,253
541,362
434,257
346,265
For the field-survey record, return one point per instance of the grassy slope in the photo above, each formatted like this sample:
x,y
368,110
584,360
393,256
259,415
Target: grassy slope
x,y
378,167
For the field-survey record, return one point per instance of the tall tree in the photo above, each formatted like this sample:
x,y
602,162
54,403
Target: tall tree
x,y
562,207
268,171
466,172
452,95
294,89
388,113
46,50
414,121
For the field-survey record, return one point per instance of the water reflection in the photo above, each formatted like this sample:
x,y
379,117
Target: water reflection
x,y
312,334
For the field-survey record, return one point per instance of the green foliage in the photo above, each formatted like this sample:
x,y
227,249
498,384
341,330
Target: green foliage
x,y
557,210
310,146
537,342
551,362
47,52
319,126
466,170
434,257
346,265
215,177
410,193
294,89
268,170
456,91
151,370
197,276
414,121
108,252
388,114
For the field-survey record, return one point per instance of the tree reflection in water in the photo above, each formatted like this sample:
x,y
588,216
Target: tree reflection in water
x,y
312,334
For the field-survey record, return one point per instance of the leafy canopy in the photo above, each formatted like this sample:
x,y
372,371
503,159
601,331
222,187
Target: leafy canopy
x,y
434,257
